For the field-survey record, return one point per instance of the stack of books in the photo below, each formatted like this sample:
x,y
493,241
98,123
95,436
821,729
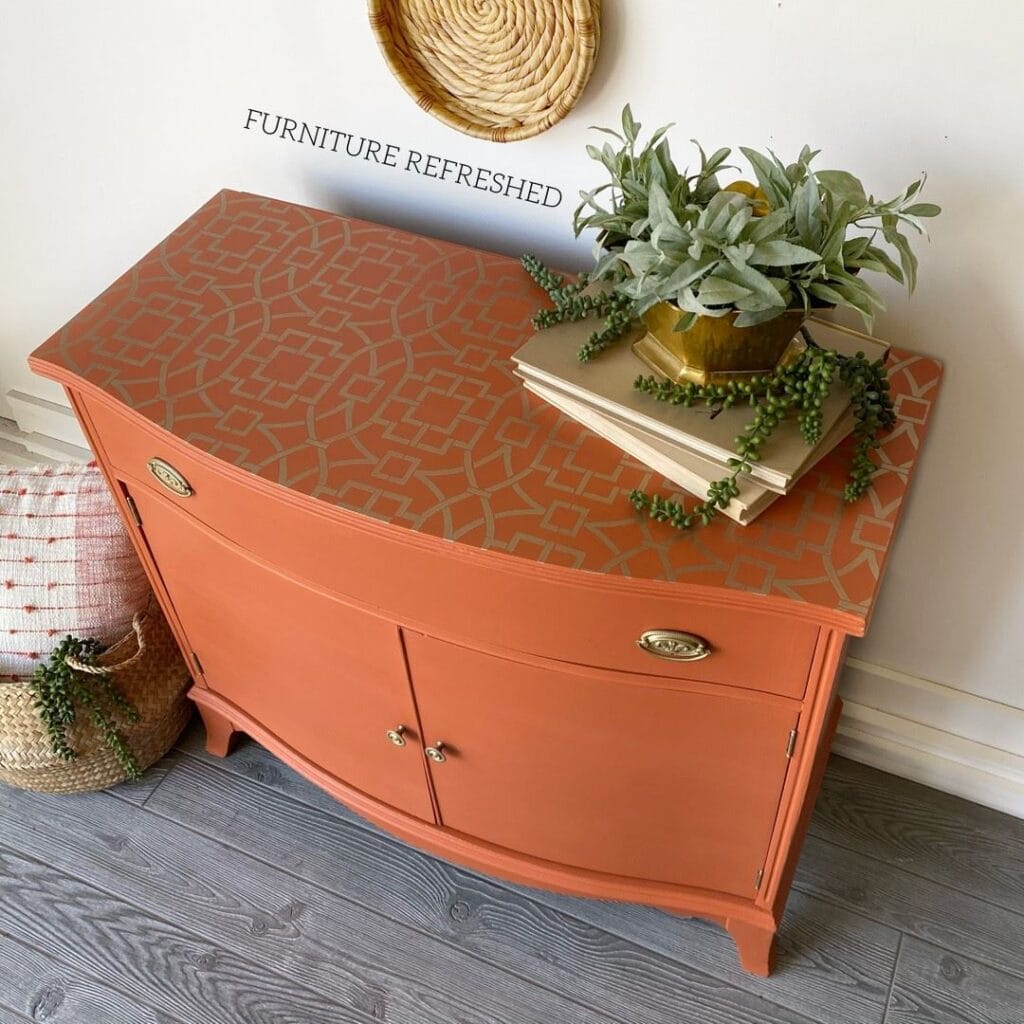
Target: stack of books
x,y
688,446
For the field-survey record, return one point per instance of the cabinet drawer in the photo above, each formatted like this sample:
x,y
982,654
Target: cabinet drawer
x,y
673,638
478,597
132,445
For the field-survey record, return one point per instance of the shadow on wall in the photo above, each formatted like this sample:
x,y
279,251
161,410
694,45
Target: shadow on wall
x,y
448,217
614,24
965,510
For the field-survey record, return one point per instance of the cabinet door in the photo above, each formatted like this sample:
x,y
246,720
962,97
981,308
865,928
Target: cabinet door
x,y
577,767
326,679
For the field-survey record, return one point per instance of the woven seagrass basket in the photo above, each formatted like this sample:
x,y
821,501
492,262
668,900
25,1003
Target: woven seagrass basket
x,y
501,69
149,671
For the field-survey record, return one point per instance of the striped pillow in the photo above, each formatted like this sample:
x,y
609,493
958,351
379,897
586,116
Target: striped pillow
x,y
66,564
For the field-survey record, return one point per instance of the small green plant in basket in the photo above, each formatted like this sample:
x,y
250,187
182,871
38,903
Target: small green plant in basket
x,y
63,691
726,261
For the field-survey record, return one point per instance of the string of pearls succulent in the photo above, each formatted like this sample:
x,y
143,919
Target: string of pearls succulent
x,y
61,694
799,389
570,304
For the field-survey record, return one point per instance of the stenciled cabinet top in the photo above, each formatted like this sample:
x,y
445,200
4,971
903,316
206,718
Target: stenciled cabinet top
x,y
369,368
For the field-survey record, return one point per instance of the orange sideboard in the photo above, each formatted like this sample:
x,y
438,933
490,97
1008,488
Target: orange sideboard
x,y
426,590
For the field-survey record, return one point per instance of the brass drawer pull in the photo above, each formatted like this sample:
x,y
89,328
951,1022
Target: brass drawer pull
x,y
395,735
436,753
674,645
170,477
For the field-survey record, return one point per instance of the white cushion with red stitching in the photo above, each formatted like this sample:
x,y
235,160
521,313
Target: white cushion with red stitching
x,y
66,564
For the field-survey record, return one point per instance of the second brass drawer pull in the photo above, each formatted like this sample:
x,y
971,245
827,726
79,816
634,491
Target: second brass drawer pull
x,y
674,645
436,753
170,477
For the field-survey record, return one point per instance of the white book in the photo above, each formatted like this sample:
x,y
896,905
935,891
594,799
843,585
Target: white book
x,y
606,385
688,471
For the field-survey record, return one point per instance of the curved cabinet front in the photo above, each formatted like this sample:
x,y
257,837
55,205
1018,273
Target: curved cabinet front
x,y
546,745
654,779
581,620
620,776
326,679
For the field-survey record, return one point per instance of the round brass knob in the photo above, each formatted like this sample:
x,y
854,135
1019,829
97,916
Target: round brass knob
x,y
436,753
396,737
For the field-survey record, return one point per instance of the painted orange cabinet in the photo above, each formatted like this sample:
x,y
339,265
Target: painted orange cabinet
x,y
426,590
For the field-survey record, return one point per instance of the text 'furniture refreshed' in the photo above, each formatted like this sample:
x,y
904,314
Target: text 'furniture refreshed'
x,y
426,590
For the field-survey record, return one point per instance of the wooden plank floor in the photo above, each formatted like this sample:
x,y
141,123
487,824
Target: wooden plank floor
x,y
234,891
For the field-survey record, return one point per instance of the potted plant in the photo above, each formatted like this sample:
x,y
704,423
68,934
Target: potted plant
x,y
91,716
723,278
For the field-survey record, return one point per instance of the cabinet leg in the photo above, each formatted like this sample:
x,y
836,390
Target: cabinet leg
x,y
754,945
220,733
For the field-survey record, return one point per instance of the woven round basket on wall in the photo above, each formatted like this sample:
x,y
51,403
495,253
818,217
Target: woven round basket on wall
x,y
498,69
148,669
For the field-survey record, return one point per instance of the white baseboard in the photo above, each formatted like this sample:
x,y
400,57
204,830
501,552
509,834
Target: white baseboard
x,y
51,420
942,737
21,448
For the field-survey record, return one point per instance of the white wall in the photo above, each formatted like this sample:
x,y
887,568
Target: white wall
x,y
119,118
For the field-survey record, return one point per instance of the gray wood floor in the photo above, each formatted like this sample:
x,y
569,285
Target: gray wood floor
x,y
231,891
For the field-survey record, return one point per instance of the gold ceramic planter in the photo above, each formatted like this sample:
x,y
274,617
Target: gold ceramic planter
x,y
714,350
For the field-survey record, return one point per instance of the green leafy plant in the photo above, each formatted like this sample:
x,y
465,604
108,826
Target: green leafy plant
x,y
62,693
799,239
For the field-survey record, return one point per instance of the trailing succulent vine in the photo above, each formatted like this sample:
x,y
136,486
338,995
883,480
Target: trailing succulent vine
x,y
62,693
799,390
571,303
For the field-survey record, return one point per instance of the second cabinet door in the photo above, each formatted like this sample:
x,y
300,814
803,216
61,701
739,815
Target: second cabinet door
x,y
576,767
323,677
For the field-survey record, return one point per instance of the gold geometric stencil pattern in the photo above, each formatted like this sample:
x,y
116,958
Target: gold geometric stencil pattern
x,y
370,368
